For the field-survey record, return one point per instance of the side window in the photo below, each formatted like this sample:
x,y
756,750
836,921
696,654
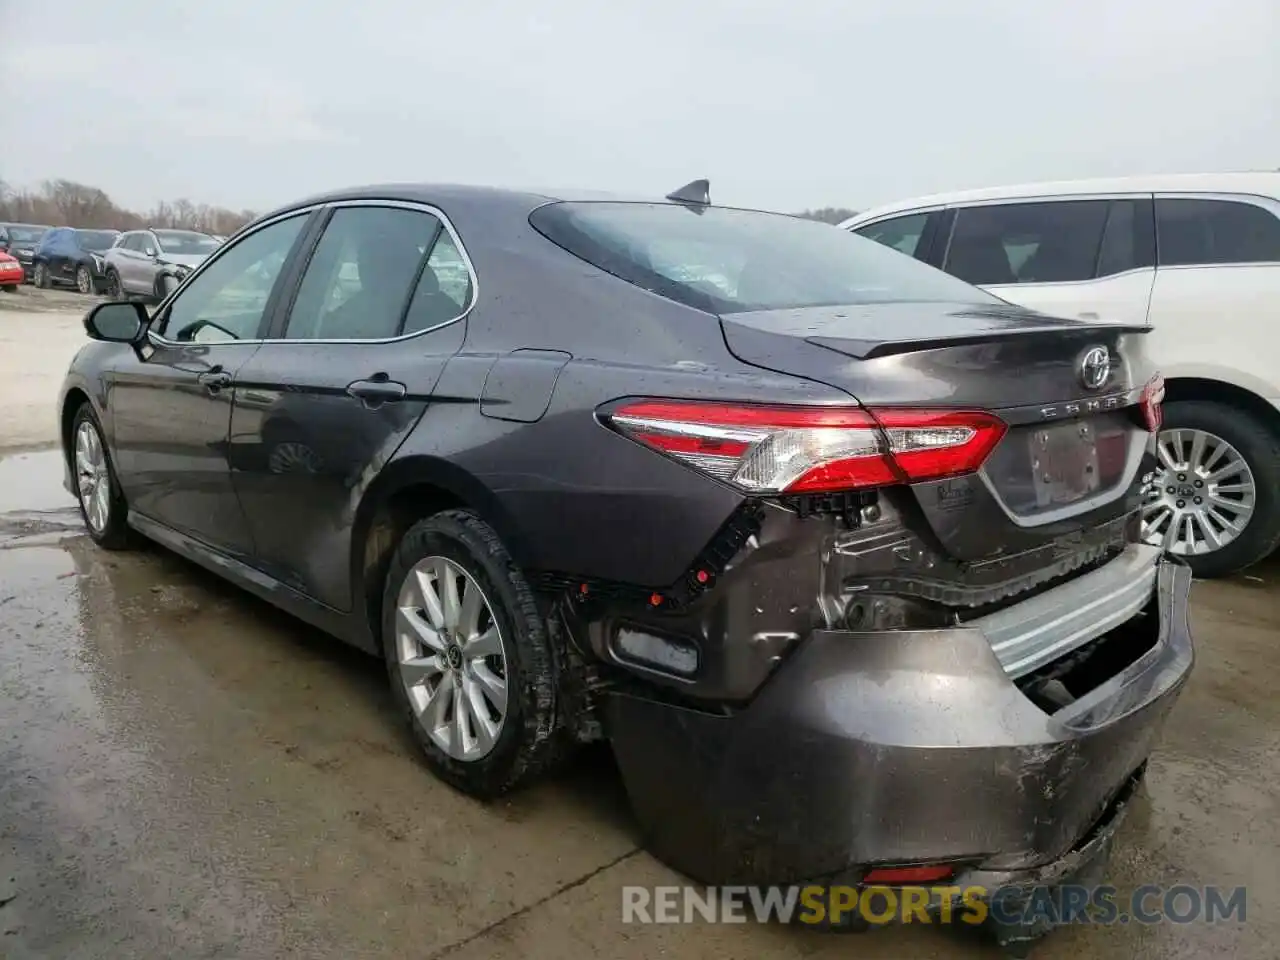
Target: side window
x,y
444,289
133,242
1127,241
359,280
901,233
1215,231
227,301
1051,242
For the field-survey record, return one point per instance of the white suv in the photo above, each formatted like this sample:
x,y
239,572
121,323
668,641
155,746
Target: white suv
x,y
1196,257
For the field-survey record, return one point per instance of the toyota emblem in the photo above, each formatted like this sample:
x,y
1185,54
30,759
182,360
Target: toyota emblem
x,y
1095,367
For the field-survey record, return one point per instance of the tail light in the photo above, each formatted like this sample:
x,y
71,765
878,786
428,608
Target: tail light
x,y
776,449
1152,403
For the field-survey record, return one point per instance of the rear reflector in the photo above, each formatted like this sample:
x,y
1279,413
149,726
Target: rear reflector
x,y
1152,403
775,449
903,876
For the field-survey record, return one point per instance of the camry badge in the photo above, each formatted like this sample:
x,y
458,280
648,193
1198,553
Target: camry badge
x,y
1095,367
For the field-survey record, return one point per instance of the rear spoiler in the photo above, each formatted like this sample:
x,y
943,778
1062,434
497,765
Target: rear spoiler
x,y
871,349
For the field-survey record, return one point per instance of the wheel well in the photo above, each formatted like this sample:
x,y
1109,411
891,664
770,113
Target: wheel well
x,y
392,519
75,399
1216,391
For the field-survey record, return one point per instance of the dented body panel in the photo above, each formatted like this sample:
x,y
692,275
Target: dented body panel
x,y
895,747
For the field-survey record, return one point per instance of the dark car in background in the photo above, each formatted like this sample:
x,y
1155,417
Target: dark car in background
x,y
20,240
150,263
72,257
840,553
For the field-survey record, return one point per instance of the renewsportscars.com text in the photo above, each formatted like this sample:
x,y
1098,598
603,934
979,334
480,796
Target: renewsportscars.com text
x,y
1065,904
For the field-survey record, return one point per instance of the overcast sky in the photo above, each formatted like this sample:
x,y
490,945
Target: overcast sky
x,y
784,105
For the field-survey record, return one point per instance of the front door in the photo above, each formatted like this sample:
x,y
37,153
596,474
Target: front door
x,y
324,405
171,403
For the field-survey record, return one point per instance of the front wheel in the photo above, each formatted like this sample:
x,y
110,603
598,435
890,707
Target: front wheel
x,y
102,504
41,278
84,279
1216,497
10,288
468,655
115,290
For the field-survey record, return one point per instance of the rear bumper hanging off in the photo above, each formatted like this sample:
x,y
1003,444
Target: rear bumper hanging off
x,y
913,746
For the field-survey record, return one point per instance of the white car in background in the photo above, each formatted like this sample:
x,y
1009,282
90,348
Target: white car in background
x,y
1195,257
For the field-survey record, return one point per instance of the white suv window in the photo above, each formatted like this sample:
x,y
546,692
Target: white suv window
x,y
1056,242
901,233
1215,231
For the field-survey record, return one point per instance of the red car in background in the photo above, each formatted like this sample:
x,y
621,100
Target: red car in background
x,y
10,273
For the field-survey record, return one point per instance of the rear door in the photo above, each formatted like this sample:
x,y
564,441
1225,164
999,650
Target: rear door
x,y
1084,259
126,261
348,373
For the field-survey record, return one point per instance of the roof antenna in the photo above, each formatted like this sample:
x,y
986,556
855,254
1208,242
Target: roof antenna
x,y
697,193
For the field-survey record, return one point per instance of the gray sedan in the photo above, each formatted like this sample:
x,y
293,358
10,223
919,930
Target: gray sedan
x,y
150,263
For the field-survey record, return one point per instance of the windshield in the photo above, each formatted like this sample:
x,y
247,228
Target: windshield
x,y
26,234
96,239
732,261
185,244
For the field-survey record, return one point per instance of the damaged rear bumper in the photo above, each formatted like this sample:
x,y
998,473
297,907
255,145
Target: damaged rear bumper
x,y
901,747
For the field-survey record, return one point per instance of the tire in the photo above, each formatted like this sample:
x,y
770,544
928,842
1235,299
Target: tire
x,y
41,278
84,280
1259,448
528,741
112,533
115,289
10,288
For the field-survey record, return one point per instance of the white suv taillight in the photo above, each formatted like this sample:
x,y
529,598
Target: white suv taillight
x,y
777,449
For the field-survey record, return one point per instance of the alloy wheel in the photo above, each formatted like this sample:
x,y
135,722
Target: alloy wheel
x,y
93,478
1202,496
41,276
451,658
113,286
84,282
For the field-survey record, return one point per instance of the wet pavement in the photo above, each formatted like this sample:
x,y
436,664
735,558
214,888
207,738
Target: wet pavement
x,y
186,773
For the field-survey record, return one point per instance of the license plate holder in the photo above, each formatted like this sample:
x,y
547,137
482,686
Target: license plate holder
x,y
1064,463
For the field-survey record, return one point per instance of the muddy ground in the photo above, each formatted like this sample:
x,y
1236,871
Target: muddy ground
x,y
185,773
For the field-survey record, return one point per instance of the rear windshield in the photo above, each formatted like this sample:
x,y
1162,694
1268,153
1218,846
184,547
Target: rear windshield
x,y
96,239
733,261
26,234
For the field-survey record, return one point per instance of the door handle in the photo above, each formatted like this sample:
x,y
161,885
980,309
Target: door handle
x,y
214,380
377,390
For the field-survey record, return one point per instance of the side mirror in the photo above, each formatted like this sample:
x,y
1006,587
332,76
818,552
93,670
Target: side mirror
x,y
150,252
116,322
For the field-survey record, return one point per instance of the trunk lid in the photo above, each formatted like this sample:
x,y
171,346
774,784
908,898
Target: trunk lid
x,y
1075,440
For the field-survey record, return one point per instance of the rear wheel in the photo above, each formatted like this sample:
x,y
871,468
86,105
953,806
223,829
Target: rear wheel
x,y
41,278
102,504
468,655
1216,499
84,279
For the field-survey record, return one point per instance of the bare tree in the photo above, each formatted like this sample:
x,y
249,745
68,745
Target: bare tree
x,y
827,214
67,203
